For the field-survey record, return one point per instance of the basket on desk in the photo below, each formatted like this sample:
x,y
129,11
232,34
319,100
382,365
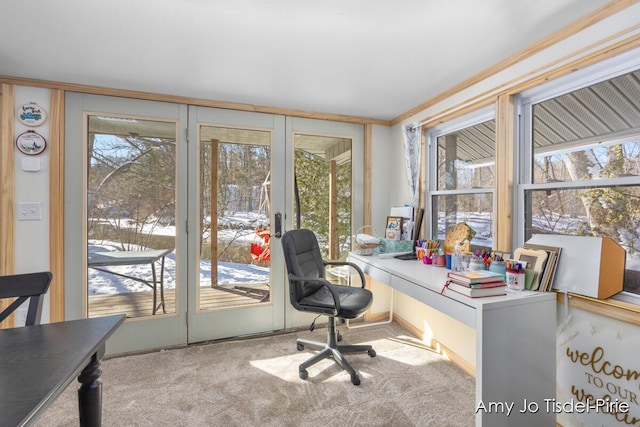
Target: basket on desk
x,y
363,248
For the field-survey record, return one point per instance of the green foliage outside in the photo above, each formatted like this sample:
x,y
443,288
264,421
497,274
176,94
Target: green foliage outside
x,y
313,176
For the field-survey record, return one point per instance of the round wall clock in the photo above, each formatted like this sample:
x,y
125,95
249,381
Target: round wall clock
x,y
31,114
31,143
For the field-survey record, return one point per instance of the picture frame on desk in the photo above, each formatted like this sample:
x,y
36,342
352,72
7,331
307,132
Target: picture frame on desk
x,y
393,229
553,254
536,260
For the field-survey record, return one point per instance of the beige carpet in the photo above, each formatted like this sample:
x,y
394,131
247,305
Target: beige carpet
x,y
254,382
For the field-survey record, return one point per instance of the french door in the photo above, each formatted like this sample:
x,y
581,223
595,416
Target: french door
x,y
236,191
126,217
173,213
257,176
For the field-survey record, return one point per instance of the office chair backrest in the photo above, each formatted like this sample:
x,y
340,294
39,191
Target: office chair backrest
x,y
30,286
304,259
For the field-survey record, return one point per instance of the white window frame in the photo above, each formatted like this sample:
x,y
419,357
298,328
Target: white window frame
x,y
605,70
432,135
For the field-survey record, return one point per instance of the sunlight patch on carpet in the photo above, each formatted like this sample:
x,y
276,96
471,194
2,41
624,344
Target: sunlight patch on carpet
x,y
283,367
393,349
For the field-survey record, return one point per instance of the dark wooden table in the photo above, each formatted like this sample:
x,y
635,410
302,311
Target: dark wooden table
x,y
38,362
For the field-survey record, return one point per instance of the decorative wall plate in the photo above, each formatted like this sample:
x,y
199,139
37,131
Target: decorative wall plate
x,y
31,114
31,143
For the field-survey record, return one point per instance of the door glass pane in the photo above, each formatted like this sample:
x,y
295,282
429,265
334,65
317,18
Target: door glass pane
x,y
322,189
131,216
234,224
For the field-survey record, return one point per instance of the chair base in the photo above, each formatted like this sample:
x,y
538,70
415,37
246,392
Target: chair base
x,y
333,350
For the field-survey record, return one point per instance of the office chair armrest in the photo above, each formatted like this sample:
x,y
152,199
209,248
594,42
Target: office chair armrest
x,y
323,282
350,264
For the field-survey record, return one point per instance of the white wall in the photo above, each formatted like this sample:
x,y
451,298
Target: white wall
x,y
32,243
32,237
383,178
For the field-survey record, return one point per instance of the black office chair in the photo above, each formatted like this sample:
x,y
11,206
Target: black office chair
x,y
23,287
310,291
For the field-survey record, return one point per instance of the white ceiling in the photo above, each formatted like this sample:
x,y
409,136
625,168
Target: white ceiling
x,y
365,58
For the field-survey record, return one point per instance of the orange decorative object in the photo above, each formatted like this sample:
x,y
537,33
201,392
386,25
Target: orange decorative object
x,y
262,251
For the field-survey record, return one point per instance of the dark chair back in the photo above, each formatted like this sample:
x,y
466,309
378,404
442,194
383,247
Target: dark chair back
x,y
23,287
303,259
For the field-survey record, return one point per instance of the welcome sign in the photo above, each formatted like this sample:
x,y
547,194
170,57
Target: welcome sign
x,y
598,374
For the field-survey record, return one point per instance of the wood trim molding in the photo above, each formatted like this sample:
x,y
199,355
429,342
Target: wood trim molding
x,y
505,158
613,309
596,16
56,206
7,180
368,162
7,189
95,90
366,199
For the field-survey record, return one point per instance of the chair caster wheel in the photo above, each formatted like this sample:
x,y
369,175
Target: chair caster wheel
x,y
371,353
339,337
355,380
303,374
300,347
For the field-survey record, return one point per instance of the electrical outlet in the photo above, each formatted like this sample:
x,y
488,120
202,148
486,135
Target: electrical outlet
x,y
29,211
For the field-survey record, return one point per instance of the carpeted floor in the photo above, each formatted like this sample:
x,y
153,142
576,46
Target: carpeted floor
x,y
254,382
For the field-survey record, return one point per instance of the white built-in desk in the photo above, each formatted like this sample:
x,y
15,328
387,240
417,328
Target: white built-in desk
x,y
515,339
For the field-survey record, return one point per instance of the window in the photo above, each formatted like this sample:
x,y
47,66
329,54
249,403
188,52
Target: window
x,y
581,159
462,176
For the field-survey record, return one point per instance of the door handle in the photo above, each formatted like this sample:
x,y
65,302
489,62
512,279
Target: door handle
x,y
278,225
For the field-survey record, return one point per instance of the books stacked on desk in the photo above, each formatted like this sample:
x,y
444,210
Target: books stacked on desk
x,y
476,283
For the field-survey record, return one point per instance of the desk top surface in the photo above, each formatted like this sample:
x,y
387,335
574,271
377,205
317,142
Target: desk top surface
x,y
38,362
434,279
103,259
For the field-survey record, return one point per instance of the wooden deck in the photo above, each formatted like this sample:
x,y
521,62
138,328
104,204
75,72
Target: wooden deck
x,y
138,304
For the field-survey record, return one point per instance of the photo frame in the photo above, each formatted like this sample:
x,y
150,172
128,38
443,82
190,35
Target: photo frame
x,y
31,143
553,253
393,229
536,260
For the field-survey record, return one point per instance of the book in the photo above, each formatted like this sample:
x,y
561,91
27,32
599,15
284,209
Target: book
x,y
478,285
487,291
481,285
475,276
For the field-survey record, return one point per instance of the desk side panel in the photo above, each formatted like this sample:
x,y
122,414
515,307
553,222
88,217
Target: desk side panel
x,y
517,363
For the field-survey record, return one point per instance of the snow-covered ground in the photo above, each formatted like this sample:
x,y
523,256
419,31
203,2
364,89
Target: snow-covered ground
x,y
101,283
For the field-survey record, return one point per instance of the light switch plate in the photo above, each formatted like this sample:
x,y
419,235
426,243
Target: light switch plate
x,y
29,211
30,164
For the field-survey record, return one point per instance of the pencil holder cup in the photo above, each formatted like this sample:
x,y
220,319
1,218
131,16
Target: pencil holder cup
x,y
427,259
515,280
439,261
498,267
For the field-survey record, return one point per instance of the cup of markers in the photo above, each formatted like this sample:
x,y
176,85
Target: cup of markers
x,y
515,274
429,249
